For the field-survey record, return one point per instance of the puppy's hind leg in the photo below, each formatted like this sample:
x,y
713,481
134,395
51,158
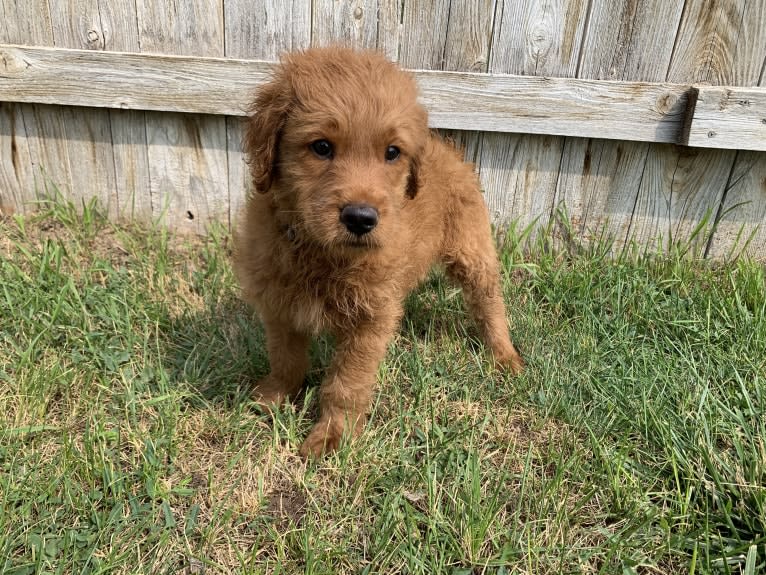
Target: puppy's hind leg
x,y
472,262
289,361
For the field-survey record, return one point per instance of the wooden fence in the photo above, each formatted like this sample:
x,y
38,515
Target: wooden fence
x,y
636,118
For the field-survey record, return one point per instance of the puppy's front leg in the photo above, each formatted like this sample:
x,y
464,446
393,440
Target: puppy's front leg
x,y
346,392
289,361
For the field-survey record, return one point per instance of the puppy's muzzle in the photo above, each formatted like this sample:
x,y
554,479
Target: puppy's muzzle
x,y
359,219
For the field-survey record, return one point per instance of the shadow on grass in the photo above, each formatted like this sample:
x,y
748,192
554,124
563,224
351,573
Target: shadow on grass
x,y
219,351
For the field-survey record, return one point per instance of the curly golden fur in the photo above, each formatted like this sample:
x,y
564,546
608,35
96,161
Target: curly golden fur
x,y
356,201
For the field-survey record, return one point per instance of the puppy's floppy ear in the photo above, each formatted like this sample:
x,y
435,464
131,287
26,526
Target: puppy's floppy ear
x,y
267,117
412,179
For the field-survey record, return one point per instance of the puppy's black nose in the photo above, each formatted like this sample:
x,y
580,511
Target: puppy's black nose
x,y
359,219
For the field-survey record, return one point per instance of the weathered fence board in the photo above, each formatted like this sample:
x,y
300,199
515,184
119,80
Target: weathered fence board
x,y
726,117
77,24
288,25
614,74
16,176
599,180
424,34
119,29
187,154
42,128
668,188
724,36
355,20
520,171
743,210
562,106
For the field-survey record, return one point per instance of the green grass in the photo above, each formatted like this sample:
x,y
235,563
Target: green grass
x,y
634,443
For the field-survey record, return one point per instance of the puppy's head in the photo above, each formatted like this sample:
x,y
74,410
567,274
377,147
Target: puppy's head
x,y
336,136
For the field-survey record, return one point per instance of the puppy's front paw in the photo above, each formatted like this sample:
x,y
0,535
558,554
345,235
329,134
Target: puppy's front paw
x,y
327,434
270,392
323,438
510,361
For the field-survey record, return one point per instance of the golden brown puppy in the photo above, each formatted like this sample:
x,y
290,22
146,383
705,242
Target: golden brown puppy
x,y
357,201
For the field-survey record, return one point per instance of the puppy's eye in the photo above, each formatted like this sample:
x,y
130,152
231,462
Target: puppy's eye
x,y
322,148
392,152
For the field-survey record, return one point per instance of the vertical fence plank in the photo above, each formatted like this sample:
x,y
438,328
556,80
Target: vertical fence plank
x,y
77,24
187,153
289,28
687,184
600,179
129,150
440,36
353,22
520,171
17,182
357,23
708,41
467,48
743,209
389,28
41,127
424,34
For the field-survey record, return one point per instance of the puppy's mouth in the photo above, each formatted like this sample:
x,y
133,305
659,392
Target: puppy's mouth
x,y
365,242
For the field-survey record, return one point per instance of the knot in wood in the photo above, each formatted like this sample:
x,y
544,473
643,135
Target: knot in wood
x,y
94,38
12,62
666,102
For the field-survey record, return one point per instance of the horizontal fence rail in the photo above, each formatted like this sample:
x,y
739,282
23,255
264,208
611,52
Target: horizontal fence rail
x,y
718,117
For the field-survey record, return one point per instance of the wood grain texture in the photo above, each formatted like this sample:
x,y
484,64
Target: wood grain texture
x,y
742,213
288,26
597,189
41,129
469,36
467,47
424,34
707,44
708,48
389,28
26,22
352,22
739,65
189,27
559,106
448,36
629,39
456,100
520,171
119,28
742,220
669,205
600,180
16,177
187,153
15,162
538,38
129,81
726,117
77,24
264,29
677,181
